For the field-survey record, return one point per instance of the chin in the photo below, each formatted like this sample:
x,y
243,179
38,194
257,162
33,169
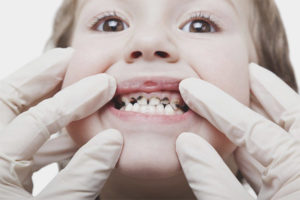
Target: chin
x,y
149,150
147,161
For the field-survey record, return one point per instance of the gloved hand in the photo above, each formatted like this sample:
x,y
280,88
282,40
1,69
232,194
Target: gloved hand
x,y
26,87
273,150
23,133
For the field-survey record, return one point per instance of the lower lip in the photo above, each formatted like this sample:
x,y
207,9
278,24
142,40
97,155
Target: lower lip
x,y
142,117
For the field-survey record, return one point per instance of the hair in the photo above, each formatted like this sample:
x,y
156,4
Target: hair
x,y
268,34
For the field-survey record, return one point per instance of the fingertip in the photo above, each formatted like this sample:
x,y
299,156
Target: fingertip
x,y
188,82
60,52
109,137
110,83
257,70
188,141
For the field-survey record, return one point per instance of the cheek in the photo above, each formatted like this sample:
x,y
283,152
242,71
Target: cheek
x,y
90,58
224,63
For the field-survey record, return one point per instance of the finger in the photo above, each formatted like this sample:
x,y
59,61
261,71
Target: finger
x,y
207,174
263,139
58,149
11,186
279,100
85,175
27,132
257,107
251,169
31,83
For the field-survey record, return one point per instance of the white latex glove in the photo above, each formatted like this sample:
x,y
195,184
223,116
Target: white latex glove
x,y
26,87
23,134
272,147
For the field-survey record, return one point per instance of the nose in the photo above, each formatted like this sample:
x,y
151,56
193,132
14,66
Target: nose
x,y
150,46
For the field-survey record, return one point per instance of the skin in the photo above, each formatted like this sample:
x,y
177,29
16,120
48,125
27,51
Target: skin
x,y
148,165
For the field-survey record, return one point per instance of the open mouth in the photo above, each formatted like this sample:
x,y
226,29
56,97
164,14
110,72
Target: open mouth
x,y
155,103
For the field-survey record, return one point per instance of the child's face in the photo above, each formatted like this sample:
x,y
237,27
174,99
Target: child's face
x,y
152,45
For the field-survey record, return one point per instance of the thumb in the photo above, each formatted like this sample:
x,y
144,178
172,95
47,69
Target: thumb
x,y
86,173
206,172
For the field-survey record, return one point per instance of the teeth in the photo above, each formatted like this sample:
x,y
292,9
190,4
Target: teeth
x,y
165,101
125,100
175,105
154,101
152,106
142,100
143,109
129,107
160,109
151,109
148,109
169,110
179,112
136,107
133,100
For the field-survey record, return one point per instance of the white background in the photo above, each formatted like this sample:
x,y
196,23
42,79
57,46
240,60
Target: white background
x,y
26,26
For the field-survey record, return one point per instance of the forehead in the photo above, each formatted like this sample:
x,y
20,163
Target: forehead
x,y
237,6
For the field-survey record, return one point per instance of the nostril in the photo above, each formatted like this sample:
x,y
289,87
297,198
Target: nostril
x,y
136,54
162,54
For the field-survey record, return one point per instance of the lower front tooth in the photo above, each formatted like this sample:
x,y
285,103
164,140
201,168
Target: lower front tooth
x,y
129,107
136,107
179,112
143,109
160,109
169,110
151,109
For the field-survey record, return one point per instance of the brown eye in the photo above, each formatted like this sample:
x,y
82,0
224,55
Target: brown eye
x,y
198,26
110,25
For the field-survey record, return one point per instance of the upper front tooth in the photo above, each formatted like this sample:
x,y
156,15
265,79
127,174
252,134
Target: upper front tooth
x,y
175,104
154,101
165,101
142,100
133,100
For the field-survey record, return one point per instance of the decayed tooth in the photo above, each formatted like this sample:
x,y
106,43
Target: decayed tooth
x,y
175,105
160,109
169,110
118,104
142,100
184,108
165,101
133,100
129,107
154,101
136,107
125,100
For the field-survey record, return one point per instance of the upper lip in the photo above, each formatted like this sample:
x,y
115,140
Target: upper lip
x,y
148,85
